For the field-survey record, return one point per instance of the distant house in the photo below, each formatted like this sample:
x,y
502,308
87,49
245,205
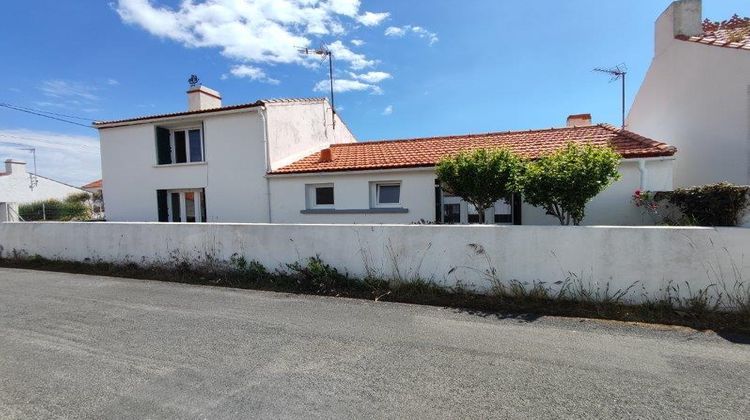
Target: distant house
x,y
93,187
19,186
696,95
289,161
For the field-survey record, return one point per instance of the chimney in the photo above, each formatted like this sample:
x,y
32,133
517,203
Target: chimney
x,y
579,120
201,97
326,155
681,19
15,167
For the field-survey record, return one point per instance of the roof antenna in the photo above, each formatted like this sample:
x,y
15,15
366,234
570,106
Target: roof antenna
x,y
33,180
324,52
617,72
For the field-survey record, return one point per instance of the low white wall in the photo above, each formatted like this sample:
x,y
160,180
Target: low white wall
x,y
649,257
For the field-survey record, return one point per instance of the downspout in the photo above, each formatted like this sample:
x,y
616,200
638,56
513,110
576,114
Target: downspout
x,y
644,172
267,157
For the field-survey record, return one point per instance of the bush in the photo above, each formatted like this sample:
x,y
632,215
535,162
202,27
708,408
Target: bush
x,y
73,207
720,204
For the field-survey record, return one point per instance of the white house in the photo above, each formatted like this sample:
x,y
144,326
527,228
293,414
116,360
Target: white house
x,y
285,161
19,186
696,95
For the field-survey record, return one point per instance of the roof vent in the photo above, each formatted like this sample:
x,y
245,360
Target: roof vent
x,y
579,120
326,155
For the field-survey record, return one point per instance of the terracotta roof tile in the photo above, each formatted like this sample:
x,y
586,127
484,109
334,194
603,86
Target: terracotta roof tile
x,y
93,185
732,33
425,152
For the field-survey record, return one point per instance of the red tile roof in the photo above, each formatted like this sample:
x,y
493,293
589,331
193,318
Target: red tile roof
x,y
732,33
426,152
93,185
261,102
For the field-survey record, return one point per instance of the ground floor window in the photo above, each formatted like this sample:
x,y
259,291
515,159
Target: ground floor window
x,y
451,209
183,205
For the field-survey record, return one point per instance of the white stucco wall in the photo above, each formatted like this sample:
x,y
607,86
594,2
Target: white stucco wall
x,y
646,258
351,191
15,186
696,97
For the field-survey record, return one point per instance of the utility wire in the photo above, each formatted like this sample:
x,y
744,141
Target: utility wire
x,y
16,108
52,113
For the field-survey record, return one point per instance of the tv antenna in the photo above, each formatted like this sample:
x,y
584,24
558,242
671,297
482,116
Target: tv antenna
x,y
324,52
33,180
617,73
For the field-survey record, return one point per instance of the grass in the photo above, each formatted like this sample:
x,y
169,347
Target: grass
x,y
571,297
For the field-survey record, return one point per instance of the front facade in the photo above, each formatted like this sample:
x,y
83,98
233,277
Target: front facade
x,y
696,95
283,161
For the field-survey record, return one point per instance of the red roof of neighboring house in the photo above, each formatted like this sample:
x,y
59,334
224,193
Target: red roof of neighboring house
x,y
732,33
115,123
93,185
425,152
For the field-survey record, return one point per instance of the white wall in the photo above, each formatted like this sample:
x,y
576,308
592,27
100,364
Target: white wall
x,y
351,191
15,187
696,97
647,257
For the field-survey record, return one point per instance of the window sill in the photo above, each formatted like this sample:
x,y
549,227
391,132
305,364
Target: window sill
x,y
385,210
171,165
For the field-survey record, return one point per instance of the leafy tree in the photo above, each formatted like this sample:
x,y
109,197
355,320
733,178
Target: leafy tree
x,y
481,177
564,181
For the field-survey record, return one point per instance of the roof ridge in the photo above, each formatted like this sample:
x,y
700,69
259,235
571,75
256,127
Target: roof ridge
x,y
639,138
462,136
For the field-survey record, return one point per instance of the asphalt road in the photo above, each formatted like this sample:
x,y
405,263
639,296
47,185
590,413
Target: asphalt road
x,y
99,347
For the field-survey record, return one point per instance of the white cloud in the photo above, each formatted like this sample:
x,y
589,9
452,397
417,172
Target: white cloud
x,y
73,91
372,19
72,159
388,110
252,73
251,31
347,85
356,61
399,32
372,76
113,82
357,42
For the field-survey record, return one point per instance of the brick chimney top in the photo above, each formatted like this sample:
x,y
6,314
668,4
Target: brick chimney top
x,y
579,120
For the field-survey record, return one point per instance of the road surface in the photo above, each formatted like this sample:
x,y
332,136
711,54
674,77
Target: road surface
x,y
99,347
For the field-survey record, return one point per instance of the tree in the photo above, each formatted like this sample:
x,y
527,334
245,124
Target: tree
x,y
564,181
481,177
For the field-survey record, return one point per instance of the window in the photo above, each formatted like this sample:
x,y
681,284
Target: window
x,y
385,194
179,145
181,205
319,196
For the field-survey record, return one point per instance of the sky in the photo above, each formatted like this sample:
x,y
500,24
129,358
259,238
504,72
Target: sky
x,y
402,68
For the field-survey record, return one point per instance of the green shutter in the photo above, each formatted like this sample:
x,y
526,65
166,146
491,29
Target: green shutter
x,y
163,149
161,204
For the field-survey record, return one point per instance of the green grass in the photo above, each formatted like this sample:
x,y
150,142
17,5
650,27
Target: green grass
x,y
569,298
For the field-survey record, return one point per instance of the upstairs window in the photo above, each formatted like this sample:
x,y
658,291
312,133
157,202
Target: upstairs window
x,y
320,196
182,145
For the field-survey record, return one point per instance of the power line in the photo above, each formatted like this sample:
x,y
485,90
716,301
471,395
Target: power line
x,y
16,108
52,113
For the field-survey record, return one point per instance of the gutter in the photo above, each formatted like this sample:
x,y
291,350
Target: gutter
x,y
267,158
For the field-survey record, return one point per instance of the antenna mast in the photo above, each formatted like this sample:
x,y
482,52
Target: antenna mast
x,y
33,181
325,52
617,73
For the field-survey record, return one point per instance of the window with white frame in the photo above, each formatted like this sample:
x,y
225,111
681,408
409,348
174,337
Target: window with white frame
x,y
385,194
180,145
319,196
188,205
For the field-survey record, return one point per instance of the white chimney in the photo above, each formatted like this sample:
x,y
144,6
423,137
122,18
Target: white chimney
x,y
579,120
201,97
15,167
682,18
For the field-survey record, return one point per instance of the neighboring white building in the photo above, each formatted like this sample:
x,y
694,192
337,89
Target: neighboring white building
x,y
283,161
19,186
696,95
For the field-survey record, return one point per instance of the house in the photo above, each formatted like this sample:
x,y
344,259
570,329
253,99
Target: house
x,y
295,161
696,95
19,186
93,186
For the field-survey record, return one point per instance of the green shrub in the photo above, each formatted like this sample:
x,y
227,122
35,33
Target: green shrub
x,y
720,204
69,209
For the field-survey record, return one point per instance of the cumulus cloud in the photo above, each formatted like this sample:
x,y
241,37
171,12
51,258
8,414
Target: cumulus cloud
x,y
418,31
252,73
371,76
356,61
372,19
388,110
73,159
357,42
347,85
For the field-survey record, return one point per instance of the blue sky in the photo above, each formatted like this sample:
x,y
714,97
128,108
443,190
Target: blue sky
x,y
406,68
